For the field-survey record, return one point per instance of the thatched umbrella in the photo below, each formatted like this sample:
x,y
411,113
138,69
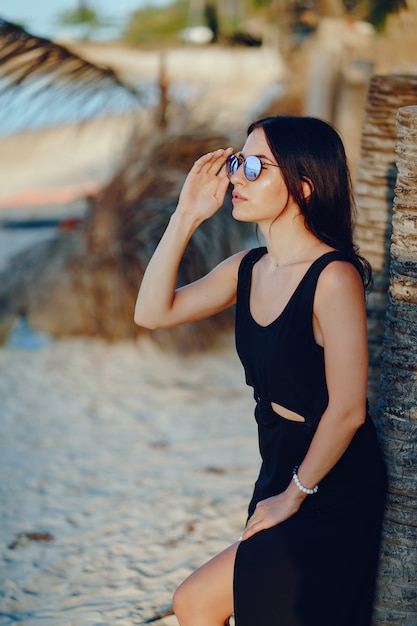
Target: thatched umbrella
x,y
85,282
57,78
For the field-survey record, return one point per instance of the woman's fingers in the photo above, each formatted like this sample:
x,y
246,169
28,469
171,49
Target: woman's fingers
x,y
205,186
253,529
255,523
270,512
212,162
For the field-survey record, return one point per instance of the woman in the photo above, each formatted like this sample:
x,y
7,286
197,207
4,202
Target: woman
x,y
308,553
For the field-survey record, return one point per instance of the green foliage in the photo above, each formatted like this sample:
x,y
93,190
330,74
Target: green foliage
x,y
21,25
161,25
81,15
156,25
380,9
375,11
212,19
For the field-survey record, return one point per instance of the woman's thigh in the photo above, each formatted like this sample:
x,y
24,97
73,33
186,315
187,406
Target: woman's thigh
x,y
206,596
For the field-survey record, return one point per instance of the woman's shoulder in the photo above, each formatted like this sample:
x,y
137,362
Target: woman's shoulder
x,y
339,278
230,266
248,256
252,255
238,263
339,303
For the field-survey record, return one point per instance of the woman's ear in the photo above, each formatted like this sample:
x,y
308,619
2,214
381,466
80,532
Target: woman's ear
x,y
307,187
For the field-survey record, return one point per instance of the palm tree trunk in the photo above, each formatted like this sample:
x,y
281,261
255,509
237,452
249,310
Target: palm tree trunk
x,y
396,601
374,195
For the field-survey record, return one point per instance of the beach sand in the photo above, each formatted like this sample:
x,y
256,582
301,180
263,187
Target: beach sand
x,y
136,464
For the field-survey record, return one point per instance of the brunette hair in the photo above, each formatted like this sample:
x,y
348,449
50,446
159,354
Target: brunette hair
x,y
309,150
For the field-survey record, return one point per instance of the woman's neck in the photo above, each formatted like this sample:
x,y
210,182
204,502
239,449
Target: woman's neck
x,y
291,243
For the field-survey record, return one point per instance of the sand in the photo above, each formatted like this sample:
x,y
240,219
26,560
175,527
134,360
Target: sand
x,y
136,463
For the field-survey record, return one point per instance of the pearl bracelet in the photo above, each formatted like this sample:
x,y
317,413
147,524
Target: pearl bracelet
x,y
301,487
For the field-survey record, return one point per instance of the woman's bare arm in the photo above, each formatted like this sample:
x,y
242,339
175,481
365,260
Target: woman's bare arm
x,y
158,303
340,310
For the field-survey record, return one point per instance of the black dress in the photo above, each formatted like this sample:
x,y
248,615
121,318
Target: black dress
x,y
318,567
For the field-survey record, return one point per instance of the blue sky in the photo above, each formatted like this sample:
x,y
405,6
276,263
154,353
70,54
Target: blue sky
x,y
39,16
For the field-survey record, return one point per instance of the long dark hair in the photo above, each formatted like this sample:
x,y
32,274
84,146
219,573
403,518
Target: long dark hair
x,y
310,150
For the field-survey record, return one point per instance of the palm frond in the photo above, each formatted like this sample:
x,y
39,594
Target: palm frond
x,y
45,72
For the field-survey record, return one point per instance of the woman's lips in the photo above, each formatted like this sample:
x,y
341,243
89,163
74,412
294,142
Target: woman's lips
x,y
236,198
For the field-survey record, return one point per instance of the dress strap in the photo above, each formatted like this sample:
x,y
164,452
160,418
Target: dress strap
x,y
245,272
251,258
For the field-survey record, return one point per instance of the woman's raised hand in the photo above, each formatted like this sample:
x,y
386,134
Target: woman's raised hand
x,y
205,186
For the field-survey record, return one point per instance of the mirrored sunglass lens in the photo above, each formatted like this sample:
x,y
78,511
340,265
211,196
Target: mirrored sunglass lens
x,y
252,167
232,164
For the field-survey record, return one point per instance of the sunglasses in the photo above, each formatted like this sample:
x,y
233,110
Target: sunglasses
x,y
252,166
